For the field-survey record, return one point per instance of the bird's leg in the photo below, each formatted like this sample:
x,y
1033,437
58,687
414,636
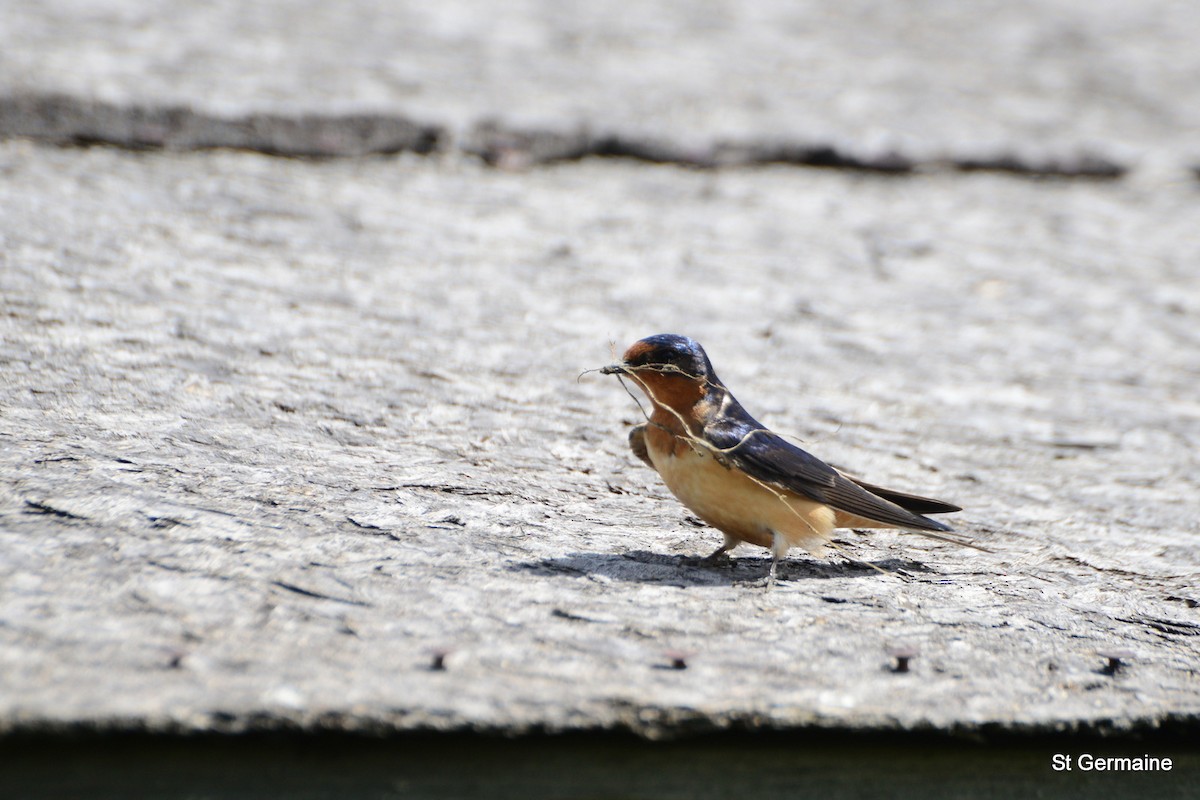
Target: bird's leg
x,y
719,555
779,549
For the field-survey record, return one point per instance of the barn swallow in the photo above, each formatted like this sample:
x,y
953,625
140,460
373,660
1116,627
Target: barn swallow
x,y
741,478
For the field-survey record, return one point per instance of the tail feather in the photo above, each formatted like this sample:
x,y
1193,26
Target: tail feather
x,y
919,505
909,502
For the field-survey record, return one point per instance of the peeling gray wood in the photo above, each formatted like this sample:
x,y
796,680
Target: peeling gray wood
x,y
66,120
1036,85
274,433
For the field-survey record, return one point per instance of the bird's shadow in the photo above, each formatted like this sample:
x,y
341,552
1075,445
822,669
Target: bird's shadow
x,y
643,566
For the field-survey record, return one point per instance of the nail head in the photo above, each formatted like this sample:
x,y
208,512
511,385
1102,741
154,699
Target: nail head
x,y
903,656
677,659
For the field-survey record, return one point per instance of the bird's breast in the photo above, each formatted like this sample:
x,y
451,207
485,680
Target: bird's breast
x,y
732,501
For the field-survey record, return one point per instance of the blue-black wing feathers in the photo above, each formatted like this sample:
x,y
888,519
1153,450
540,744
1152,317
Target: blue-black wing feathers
x,y
745,444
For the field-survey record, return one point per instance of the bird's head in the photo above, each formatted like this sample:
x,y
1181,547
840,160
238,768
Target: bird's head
x,y
672,369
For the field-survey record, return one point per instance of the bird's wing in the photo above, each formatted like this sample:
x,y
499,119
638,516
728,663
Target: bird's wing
x,y
769,458
637,443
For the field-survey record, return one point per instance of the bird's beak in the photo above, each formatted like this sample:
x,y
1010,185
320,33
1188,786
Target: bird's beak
x,y
613,369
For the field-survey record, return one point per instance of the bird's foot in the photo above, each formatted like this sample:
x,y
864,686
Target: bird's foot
x,y
717,558
767,583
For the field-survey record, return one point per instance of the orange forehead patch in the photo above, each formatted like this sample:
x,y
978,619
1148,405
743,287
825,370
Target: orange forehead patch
x,y
636,349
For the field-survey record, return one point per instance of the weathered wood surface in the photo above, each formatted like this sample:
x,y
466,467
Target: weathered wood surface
x,y
275,431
